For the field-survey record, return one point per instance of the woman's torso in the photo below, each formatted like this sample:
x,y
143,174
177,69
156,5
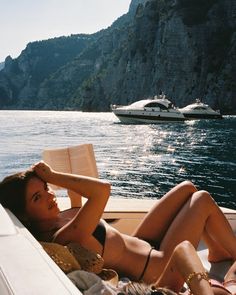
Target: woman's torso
x,y
126,254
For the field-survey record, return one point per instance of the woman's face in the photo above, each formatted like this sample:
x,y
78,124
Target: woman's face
x,y
40,200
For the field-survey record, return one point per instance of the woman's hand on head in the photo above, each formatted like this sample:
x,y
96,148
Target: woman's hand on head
x,y
43,170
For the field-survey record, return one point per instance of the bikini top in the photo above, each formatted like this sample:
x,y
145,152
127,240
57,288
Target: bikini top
x,y
100,233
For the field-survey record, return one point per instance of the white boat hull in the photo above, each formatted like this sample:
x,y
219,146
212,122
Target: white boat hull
x,y
25,268
142,116
196,115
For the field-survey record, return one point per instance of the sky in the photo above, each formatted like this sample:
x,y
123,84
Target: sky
x,y
24,21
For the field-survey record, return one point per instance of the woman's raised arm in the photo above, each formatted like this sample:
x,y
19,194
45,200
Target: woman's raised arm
x,y
95,190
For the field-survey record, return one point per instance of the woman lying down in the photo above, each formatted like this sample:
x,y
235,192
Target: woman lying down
x,y
161,250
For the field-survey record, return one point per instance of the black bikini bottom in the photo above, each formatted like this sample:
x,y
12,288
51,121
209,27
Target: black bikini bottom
x,y
146,264
154,246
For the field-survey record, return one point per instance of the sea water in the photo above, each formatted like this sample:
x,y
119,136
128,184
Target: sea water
x,y
140,161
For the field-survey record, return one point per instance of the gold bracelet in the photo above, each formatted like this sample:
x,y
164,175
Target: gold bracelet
x,y
199,275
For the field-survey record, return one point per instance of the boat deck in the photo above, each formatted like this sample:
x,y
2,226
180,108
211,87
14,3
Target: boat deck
x,y
125,214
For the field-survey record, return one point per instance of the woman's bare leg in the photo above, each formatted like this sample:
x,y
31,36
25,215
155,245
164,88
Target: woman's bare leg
x,y
158,220
218,253
200,213
183,262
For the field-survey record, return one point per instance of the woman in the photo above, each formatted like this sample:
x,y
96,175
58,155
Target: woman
x,y
142,256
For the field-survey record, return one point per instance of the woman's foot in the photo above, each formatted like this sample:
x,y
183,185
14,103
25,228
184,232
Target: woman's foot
x,y
230,279
230,285
231,273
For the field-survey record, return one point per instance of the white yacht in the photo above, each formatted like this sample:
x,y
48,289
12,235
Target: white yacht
x,y
150,111
200,110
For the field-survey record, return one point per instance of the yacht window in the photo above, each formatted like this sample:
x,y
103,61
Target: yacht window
x,y
199,108
156,105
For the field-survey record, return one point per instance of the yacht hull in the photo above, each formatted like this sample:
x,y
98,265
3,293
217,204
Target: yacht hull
x,y
148,117
202,116
149,111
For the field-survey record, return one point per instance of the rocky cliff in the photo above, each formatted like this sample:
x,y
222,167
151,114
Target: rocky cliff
x,y
21,78
185,48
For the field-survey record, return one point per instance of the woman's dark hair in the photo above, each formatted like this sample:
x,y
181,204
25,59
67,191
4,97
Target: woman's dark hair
x,y
13,191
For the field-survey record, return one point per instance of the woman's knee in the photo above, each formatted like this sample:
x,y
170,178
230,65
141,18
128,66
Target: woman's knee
x,y
202,205
184,247
188,187
182,251
204,199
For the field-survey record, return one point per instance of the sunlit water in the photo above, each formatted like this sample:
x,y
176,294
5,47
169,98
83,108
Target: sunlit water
x,y
141,161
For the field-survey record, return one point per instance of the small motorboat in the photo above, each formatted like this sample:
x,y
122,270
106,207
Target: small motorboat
x,y
200,110
150,111
27,269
